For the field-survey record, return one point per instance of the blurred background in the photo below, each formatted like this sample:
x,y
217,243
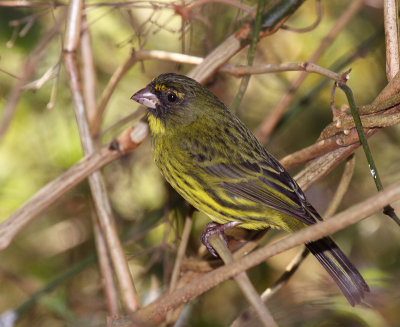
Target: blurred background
x,y
42,141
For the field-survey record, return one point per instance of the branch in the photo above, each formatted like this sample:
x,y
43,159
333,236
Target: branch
x,y
157,310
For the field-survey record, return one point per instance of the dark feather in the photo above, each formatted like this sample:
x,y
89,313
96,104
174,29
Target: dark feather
x,y
339,267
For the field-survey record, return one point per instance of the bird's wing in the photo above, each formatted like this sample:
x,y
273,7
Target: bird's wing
x,y
263,181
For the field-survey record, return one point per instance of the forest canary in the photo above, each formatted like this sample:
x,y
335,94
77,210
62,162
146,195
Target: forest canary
x,y
213,161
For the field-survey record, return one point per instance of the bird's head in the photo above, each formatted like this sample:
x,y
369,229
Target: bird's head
x,y
175,101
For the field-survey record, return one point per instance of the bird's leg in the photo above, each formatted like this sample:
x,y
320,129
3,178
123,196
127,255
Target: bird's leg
x,y
215,228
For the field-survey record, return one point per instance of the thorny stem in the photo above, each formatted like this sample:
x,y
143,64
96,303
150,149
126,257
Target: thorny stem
x,y
388,210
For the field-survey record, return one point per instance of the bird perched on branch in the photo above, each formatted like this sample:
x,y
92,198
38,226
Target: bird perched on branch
x,y
213,160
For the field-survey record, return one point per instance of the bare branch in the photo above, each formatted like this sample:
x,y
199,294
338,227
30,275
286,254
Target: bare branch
x,y
156,311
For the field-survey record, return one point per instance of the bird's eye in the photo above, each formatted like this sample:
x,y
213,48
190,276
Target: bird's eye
x,y
171,97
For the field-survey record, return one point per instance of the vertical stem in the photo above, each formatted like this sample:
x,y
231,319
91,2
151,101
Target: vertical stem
x,y
244,283
101,201
388,210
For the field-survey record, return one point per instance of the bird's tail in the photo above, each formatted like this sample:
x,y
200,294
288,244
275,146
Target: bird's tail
x,y
343,272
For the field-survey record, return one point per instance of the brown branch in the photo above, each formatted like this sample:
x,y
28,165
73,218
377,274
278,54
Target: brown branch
x,y
343,186
156,311
243,282
105,267
102,204
89,95
293,66
88,72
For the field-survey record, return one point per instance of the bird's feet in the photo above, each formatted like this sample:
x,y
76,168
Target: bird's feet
x,y
219,229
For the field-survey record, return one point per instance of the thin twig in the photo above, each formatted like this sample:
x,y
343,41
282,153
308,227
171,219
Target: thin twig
x,y
388,210
243,282
181,250
88,72
48,194
187,228
105,267
342,187
291,66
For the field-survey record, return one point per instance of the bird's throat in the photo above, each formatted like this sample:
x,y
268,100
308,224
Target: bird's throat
x,y
156,124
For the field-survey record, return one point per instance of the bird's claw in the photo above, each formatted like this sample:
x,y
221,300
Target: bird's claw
x,y
215,228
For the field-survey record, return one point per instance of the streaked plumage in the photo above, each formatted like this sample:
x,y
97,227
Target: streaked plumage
x,y
212,159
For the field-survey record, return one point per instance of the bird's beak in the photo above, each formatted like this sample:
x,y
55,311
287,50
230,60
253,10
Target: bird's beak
x,y
146,97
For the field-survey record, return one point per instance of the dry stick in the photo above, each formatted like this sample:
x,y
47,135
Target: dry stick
x,y
48,194
390,14
322,147
343,186
51,192
321,166
244,282
157,309
28,69
291,66
179,259
247,317
181,250
88,72
237,71
89,94
129,296
105,266
383,118
72,36
267,126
